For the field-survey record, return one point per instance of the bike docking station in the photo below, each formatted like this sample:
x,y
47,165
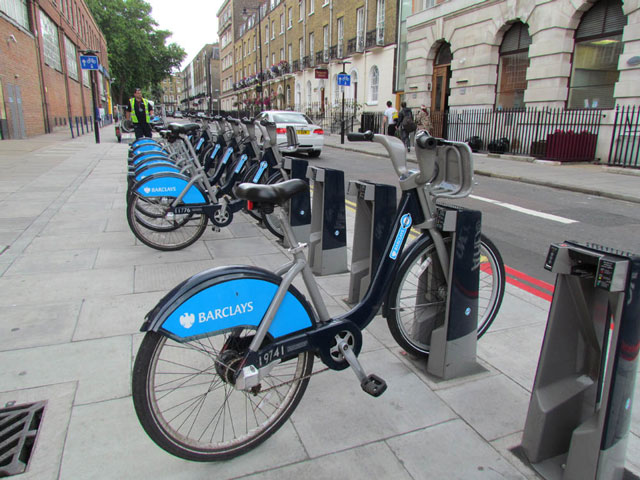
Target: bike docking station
x,y
453,330
579,415
300,204
328,235
375,211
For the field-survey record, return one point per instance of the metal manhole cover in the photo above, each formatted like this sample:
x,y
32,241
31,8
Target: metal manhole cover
x,y
18,430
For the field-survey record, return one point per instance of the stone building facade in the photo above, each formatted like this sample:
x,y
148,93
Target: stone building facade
x,y
286,47
572,54
42,87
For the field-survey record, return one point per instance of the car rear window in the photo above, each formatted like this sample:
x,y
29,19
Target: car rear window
x,y
290,118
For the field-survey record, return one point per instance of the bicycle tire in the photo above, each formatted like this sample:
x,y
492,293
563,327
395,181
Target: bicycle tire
x,y
196,389
174,237
411,322
271,220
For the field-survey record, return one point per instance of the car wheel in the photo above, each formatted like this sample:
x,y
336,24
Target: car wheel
x,y
315,153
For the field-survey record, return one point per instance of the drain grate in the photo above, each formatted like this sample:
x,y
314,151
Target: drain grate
x,y
18,430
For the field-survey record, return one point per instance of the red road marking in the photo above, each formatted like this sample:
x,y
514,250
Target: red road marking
x,y
517,278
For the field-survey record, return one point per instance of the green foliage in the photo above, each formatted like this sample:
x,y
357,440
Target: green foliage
x,y
138,53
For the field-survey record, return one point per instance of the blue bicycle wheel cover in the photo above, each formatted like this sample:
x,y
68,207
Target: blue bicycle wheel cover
x,y
167,185
235,303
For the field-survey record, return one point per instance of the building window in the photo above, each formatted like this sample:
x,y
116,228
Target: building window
x,y
312,8
266,33
360,30
290,52
281,54
51,45
273,29
380,23
512,68
325,46
72,58
340,37
301,6
85,78
281,23
290,17
374,81
17,11
598,45
301,50
309,93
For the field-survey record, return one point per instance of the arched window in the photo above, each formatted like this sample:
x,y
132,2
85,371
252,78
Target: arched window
x,y
308,94
374,81
512,68
598,45
288,96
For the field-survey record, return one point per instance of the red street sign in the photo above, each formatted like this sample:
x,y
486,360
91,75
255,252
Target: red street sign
x,y
322,73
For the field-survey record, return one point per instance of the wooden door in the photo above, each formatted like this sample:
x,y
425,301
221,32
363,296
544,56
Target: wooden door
x,y
440,98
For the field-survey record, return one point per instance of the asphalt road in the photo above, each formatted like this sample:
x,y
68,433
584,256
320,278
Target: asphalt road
x,y
521,219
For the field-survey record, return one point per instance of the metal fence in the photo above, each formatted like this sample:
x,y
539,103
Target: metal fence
x,y
554,134
625,140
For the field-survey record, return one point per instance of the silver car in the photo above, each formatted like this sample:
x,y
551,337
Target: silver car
x,y
310,135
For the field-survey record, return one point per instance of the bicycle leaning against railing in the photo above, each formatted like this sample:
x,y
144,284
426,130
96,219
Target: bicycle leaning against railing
x,y
228,353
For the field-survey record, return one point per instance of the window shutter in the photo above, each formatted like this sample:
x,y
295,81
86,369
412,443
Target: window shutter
x,y
604,18
517,38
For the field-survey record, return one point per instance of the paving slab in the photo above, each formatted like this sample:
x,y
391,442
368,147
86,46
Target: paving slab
x,y
99,366
143,255
106,441
234,247
64,286
53,262
335,414
37,325
114,315
493,406
451,450
73,241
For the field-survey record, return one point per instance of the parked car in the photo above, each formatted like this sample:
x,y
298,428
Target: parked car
x,y
310,135
177,115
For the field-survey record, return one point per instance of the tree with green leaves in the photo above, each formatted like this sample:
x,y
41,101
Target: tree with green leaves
x,y
138,53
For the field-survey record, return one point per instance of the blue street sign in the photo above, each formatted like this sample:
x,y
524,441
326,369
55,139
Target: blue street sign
x,y
344,79
89,62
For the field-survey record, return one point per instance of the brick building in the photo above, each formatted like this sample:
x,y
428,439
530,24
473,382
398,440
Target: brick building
x,y
42,87
201,80
171,92
287,46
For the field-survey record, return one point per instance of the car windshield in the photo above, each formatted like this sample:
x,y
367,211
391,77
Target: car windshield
x,y
290,118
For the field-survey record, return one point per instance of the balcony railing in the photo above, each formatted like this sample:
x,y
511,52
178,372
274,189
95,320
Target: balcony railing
x,y
355,45
380,34
295,66
371,39
322,57
306,62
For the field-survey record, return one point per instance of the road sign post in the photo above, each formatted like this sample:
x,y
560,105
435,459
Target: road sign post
x,y
346,81
89,61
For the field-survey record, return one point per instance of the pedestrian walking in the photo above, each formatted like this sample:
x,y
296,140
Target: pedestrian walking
x,y
423,120
389,120
406,124
140,111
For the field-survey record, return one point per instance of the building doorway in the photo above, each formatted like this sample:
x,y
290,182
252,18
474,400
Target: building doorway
x,y
440,90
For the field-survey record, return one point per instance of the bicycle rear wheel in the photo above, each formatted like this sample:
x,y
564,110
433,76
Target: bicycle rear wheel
x,y
185,399
164,232
418,296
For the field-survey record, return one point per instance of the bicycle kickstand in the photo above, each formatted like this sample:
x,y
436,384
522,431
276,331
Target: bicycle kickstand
x,y
371,384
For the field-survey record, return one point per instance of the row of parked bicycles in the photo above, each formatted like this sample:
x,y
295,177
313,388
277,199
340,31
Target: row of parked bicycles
x,y
180,183
228,353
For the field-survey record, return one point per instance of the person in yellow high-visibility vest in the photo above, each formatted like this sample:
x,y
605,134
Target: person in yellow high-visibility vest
x,y
140,111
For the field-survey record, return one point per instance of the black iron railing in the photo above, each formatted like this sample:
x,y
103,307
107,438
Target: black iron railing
x,y
554,134
625,140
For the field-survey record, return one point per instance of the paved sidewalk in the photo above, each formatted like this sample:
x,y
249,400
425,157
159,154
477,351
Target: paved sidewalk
x,y
75,286
611,182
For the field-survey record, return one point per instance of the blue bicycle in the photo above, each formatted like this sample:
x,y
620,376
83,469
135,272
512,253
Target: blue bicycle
x,y
228,353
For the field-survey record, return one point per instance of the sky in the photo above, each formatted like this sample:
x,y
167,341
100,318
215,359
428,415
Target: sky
x,y
193,23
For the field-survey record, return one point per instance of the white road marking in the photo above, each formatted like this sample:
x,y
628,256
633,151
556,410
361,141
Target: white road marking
x,y
526,211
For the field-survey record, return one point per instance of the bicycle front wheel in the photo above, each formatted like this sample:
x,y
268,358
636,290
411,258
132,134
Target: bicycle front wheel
x,y
164,232
185,399
418,296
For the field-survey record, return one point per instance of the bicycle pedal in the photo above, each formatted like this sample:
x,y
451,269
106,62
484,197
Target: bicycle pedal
x,y
374,385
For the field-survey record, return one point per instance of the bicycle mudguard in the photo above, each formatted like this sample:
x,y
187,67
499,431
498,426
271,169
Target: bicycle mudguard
x,y
224,298
155,168
149,163
145,157
169,184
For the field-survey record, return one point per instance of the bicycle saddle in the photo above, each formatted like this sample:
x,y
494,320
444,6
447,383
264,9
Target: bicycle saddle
x,y
274,194
186,128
